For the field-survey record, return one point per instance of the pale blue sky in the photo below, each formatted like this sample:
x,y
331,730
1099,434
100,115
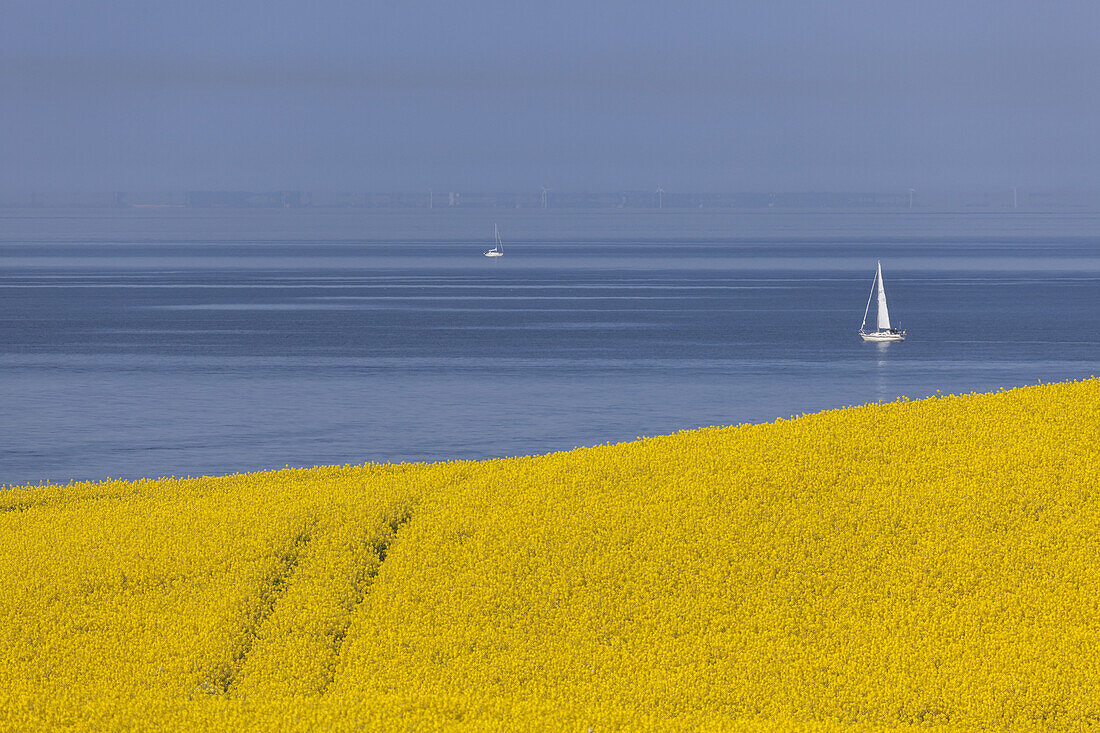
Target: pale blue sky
x,y
701,96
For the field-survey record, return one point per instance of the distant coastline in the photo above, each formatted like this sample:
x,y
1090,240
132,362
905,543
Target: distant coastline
x,y
1004,200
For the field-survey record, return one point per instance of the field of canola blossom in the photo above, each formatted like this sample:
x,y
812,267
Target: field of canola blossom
x,y
928,563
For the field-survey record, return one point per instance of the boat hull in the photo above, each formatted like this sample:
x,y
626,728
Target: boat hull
x,y
494,254
881,336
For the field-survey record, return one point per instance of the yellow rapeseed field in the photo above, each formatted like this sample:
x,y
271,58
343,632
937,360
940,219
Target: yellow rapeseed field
x,y
915,564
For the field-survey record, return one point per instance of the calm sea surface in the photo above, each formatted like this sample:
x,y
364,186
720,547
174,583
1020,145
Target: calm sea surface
x,y
174,342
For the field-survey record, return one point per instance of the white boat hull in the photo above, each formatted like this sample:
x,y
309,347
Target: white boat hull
x,y
492,253
881,336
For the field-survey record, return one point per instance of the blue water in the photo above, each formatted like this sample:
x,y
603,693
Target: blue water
x,y
187,342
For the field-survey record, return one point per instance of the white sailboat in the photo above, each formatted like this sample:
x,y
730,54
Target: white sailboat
x,y
884,332
498,247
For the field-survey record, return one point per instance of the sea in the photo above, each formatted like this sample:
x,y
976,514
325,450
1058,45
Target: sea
x,y
172,341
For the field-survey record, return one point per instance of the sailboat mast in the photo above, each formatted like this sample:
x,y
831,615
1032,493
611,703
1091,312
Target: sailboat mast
x,y
868,308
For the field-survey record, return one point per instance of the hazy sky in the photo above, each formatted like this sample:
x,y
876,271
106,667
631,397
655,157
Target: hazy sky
x,y
475,95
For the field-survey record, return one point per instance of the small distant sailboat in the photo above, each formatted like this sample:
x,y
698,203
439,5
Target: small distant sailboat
x,y
498,247
884,331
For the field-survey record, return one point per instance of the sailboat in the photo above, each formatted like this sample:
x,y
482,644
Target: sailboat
x,y
498,247
884,331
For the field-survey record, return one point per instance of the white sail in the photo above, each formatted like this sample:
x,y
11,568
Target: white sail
x,y
883,314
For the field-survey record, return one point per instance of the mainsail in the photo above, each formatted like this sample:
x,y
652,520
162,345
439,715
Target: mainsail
x,y
883,314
